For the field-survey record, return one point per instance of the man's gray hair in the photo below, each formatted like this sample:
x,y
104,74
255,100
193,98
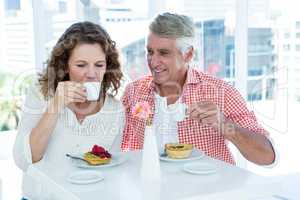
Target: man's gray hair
x,y
179,27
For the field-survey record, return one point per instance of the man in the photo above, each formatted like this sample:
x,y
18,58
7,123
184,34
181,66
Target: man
x,y
216,112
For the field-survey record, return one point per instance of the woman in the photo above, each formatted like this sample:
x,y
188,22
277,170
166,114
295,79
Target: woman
x,y
57,117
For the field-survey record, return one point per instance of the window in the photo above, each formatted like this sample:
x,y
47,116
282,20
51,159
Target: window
x,y
116,1
287,35
12,5
270,89
286,58
297,94
62,7
297,61
255,71
215,42
254,90
297,24
135,64
286,47
272,92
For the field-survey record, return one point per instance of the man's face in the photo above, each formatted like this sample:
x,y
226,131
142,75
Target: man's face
x,y
166,62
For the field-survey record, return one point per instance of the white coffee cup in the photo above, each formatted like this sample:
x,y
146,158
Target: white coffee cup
x,y
92,90
180,114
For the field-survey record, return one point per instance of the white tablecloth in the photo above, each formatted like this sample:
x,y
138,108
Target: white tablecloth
x,y
123,182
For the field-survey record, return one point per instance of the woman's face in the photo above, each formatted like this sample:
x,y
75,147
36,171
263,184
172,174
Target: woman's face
x,y
87,63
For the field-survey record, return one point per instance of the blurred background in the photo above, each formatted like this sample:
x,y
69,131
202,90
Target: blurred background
x,y
252,44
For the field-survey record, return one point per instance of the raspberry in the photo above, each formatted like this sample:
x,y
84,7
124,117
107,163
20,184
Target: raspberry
x,y
100,151
97,150
107,155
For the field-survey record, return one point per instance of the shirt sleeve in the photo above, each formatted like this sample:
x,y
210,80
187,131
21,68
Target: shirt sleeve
x,y
126,135
237,111
32,110
129,139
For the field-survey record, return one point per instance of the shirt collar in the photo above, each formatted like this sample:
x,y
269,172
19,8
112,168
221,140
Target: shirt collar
x,y
192,78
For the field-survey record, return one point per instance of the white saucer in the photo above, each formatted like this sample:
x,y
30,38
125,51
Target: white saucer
x,y
85,177
200,168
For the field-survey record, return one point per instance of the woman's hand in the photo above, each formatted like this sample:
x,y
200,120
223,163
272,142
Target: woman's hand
x,y
68,92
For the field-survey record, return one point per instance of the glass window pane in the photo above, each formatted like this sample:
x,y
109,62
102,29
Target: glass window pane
x,y
254,90
297,24
12,5
274,78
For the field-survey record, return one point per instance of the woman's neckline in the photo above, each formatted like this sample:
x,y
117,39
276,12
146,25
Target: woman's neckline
x,y
91,114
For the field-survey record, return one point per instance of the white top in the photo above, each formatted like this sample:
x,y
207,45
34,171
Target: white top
x,y
69,136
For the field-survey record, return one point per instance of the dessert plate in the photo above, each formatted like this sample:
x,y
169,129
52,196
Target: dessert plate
x,y
85,177
195,155
117,159
200,168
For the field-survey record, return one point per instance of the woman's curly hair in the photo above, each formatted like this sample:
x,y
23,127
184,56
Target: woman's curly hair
x,y
81,33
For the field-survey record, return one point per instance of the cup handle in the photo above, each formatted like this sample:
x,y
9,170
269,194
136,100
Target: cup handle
x,y
185,111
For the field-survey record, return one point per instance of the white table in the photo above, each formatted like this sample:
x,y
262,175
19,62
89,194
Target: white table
x,y
289,185
123,182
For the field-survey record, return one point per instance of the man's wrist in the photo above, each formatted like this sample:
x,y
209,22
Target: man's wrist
x,y
229,130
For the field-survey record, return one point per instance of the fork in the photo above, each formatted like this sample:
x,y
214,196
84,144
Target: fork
x,y
163,154
76,157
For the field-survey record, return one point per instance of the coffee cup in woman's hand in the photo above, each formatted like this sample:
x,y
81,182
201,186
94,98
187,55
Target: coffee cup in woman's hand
x,y
92,90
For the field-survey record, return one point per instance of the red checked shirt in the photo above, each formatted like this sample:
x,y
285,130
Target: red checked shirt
x,y
199,87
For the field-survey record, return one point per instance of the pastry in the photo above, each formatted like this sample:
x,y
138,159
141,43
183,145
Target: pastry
x,y
178,151
98,156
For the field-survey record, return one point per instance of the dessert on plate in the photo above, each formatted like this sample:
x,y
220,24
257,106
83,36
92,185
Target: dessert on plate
x,y
178,151
98,156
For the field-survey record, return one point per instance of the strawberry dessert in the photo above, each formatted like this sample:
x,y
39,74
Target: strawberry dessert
x,y
98,156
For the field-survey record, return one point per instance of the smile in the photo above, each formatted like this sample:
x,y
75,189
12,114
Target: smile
x,y
158,70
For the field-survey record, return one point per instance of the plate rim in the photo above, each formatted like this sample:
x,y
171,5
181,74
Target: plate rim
x,y
119,161
167,159
212,171
85,182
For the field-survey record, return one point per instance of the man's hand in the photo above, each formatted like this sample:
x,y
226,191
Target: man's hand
x,y
254,147
206,113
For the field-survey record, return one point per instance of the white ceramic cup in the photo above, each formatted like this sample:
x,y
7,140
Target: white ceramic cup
x,y
180,114
92,90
